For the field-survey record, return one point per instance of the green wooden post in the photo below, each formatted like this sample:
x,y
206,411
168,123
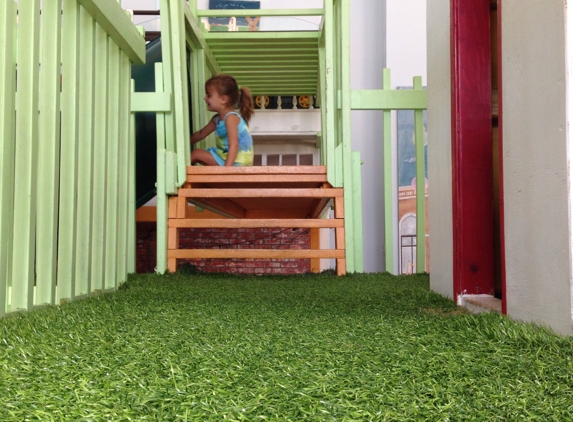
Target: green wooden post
x,y
7,144
420,185
193,8
357,212
162,199
199,77
123,165
26,157
49,151
388,182
346,135
100,161
196,91
166,41
83,230
329,103
68,155
179,81
162,210
111,252
320,97
204,115
131,212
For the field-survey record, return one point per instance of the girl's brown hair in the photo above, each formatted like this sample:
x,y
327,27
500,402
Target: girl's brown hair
x,y
227,85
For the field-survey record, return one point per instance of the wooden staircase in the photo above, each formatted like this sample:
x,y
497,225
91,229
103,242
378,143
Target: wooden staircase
x,y
255,197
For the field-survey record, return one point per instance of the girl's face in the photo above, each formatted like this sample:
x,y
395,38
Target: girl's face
x,y
215,102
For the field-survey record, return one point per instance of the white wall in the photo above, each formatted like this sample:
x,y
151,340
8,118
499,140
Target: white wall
x,y
439,147
535,158
569,55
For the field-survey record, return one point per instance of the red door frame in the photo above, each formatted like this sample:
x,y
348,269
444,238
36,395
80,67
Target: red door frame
x,y
472,159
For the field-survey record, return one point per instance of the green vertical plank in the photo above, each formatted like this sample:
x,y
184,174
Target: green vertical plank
x,y
49,150
193,7
321,95
123,167
166,41
185,145
197,91
357,212
349,217
162,209
68,153
162,199
338,161
420,185
7,143
159,87
83,240
180,93
100,161
330,92
388,182
200,76
110,280
26,155
131,220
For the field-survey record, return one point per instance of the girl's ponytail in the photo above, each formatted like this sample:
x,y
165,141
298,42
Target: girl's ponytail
x,y
246,105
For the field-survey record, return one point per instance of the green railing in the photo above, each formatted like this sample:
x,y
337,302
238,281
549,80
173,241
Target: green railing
x,y
67,147
387,100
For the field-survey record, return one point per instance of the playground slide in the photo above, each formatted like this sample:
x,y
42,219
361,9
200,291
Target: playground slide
x,y
145,129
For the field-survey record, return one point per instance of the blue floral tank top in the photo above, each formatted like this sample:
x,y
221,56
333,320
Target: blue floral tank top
x,y
245,153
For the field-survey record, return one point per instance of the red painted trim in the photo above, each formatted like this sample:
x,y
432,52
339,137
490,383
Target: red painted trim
x,y
501,191
472,160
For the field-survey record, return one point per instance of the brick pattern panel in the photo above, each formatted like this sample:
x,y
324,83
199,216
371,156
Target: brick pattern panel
x,y
261,238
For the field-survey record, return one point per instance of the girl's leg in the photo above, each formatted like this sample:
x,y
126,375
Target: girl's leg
x,y
203,157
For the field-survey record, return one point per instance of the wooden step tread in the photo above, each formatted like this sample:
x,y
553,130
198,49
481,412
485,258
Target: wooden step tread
x,y
256,178
214,170
255,223
261,193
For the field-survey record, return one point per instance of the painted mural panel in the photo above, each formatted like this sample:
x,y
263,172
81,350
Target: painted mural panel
x,y
234,24
406,151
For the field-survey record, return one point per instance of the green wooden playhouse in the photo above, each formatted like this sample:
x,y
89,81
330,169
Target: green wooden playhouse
x,y
67,191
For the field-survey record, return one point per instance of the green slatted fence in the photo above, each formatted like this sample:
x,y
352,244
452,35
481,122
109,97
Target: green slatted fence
x,y
66,150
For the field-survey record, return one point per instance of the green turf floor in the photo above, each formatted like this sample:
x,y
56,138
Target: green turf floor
x,y
300,348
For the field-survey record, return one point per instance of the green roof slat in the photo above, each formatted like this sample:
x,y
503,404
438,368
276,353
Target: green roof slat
x,y
259,73
271,67
293,36
270,49
240,56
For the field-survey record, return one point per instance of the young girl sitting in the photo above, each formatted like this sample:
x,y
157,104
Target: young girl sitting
x,y
234,141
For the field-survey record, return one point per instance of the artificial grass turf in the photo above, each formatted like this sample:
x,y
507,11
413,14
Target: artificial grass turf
x,y
219,347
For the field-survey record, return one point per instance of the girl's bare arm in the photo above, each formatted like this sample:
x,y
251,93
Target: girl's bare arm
x,y
204,132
